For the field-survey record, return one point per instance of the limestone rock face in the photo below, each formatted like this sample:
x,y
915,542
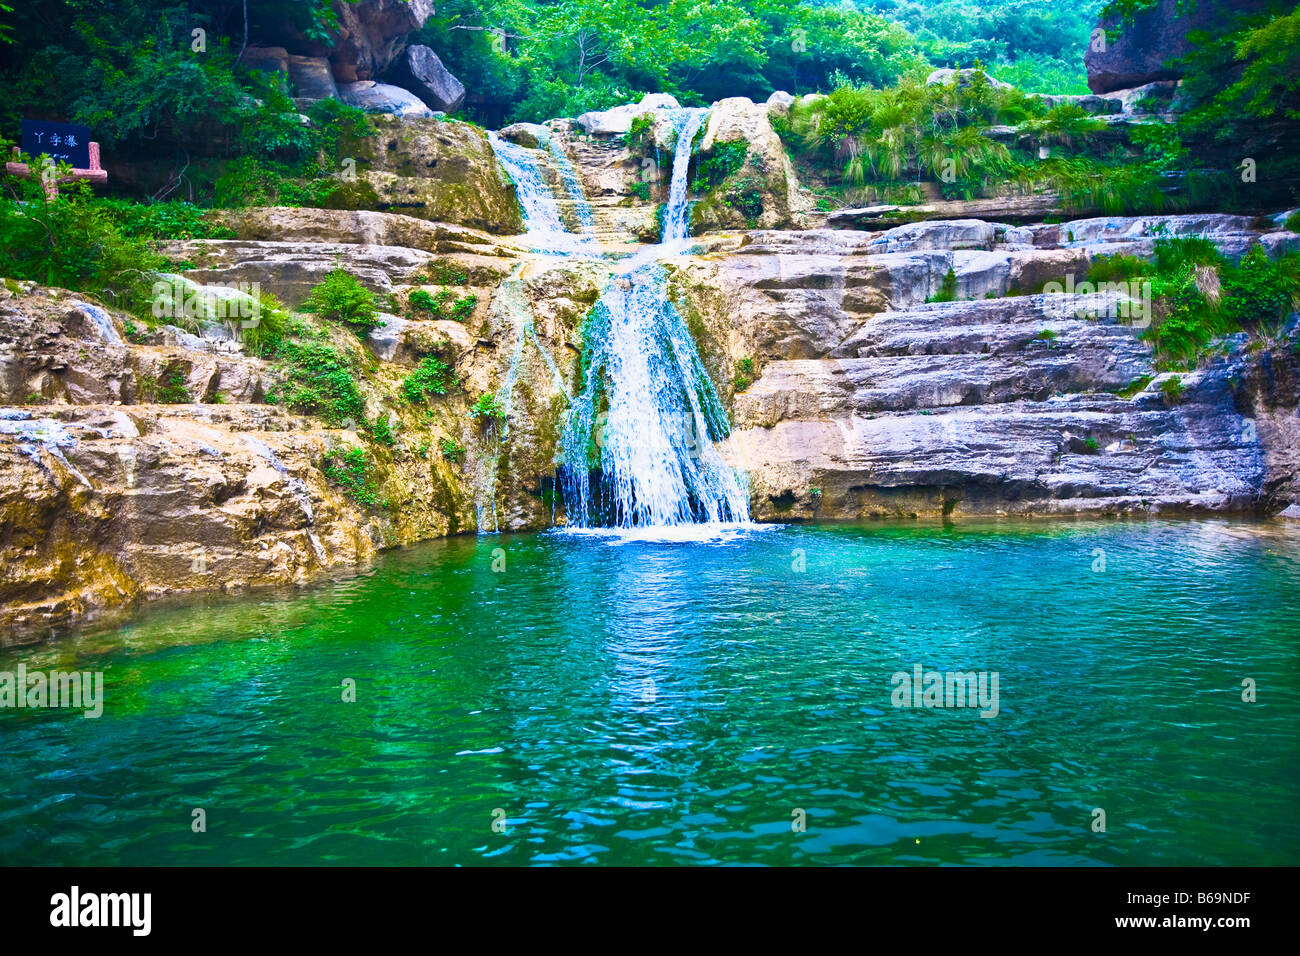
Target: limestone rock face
x,y
1142,52
764,192
419,70
990,404
1020,209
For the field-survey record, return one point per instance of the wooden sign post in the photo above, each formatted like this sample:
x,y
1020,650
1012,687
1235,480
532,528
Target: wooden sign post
x,y
61,142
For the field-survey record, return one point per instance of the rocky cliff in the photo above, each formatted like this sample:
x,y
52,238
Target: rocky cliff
x,y
851,391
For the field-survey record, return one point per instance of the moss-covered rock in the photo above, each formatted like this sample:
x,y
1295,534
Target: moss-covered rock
x,y
434,169
759,189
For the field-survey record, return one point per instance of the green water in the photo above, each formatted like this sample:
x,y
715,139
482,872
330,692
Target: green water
x,y
660,703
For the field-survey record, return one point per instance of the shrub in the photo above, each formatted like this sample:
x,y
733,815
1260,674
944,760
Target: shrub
x,y
431,377
353,471
383,431
487,409
171,389
421,301
723,161
317,380
947,289
442,273
341,298
271,324
464,307
744,376
639,138
164,220
1117,268
74,242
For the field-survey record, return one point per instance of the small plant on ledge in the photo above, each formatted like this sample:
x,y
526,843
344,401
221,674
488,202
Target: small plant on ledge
x,y
744,373
452,450
487,410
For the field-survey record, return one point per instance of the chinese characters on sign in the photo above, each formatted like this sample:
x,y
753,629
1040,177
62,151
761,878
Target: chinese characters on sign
x,y
62,142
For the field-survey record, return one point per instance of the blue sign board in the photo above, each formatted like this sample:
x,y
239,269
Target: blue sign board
x,y
62,142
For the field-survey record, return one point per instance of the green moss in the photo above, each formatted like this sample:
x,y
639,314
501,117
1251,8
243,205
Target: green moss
x,y
1138,384
352,470
431,377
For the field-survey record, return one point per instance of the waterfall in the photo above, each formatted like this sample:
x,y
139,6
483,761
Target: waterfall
x,y
569,176
637,449
650,452
687,123
542,221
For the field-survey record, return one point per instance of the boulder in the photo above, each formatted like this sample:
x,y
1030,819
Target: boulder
x,y
1144,48
419,70
438,170
780,103
1148,98
617,121
312,78
963,78
529,135
266,59
767,169
372,33
382,98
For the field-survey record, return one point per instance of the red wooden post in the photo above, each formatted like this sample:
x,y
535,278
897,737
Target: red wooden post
x,y
96,174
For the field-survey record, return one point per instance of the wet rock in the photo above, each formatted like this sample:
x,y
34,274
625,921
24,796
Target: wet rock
x,y
529,135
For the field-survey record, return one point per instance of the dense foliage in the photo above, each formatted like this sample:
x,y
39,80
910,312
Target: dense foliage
x,y
898,139
1199,295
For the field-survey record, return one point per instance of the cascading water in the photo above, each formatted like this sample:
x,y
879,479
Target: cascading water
x,y
569,176
637,448
542,220
687,123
